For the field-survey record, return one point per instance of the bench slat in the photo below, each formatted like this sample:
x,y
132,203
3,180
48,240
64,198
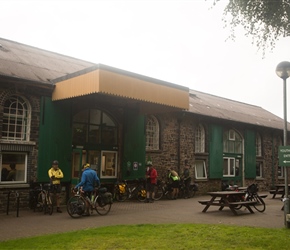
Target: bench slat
x,y
242,203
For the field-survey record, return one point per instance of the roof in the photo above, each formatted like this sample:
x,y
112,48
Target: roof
x,y
26,62
43,67
226,109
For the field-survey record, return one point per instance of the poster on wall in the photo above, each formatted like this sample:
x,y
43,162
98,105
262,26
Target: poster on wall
x,y
135,166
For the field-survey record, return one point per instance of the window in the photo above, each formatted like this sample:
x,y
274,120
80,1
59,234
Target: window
x,y
13,167
258,145
199,139
280,172
229,166
94,127
16,119
259,169
108,164
152,133
232,142
200,170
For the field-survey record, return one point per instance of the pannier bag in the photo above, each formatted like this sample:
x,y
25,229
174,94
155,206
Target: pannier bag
x,y
253,188
107,198
122,188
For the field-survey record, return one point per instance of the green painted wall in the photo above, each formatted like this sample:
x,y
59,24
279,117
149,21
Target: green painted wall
x,y
134,146
54,138
250,154
215,152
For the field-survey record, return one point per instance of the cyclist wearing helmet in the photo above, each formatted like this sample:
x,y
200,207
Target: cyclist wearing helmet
x,y
55,174
88,182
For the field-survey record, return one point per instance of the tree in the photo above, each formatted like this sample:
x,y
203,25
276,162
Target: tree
x,y
265,20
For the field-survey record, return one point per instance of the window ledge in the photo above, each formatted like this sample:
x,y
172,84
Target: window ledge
x,y
201,154
201,180
18,142
14,186
260,178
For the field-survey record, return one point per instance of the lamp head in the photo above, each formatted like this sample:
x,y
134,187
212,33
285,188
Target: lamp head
x,y
283,70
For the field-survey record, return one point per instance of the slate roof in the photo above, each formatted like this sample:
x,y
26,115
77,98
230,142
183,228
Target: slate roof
x,y
42,67
226,109
26,62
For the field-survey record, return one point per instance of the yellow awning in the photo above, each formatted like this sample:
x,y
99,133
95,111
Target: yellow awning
x,y
107,80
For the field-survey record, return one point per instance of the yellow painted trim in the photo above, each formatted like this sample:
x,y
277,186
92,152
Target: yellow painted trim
x,y
77,86
111,83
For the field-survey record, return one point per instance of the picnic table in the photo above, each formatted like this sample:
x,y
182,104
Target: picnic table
x,y
279,189
230,199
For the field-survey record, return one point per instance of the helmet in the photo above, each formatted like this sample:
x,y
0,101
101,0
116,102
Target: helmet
x,y
55,162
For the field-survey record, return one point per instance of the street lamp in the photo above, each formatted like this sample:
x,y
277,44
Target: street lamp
x,y
283,71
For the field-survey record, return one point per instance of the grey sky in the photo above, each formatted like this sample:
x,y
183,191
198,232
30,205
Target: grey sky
x,y
183,42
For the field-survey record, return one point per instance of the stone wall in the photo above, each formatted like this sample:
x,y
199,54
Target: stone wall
x,y
168,156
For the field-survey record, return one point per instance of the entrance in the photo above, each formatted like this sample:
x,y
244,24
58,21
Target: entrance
x,y
103,162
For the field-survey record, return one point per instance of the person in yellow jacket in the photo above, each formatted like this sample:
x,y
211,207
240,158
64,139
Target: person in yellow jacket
x,y
55,175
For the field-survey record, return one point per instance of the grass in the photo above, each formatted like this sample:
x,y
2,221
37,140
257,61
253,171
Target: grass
x,y
161,236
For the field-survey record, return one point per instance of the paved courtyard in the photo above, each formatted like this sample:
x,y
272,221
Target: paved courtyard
x,y
31,223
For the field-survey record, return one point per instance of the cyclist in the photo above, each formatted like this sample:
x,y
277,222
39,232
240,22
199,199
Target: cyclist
x,y
151,176
186,180
88,181
174,180
55,174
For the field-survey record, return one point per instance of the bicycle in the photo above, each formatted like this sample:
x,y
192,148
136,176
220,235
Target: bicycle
x,y
44,202
101,201
124,191
193,187
251,194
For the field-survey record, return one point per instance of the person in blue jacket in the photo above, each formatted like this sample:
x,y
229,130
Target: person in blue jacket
x,y
88,182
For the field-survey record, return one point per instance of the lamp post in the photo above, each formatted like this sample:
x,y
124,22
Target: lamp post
x,y
283,71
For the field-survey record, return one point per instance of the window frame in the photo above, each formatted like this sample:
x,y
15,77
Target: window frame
x,y
196,171
229,166
103,166
16,119
152,133
258,145
23,172
199,139
260,164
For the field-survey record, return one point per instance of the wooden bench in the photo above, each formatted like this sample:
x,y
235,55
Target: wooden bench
x,y
203,202
242,203
280,191
263,196
275,192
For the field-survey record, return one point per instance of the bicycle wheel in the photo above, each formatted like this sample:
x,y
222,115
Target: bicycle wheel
x,y
260,205
120,195
191,191
141,195
76,206
39,205
158,192
49,207
101,207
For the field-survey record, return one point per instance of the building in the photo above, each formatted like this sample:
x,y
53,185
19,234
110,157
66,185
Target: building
x,y
54,107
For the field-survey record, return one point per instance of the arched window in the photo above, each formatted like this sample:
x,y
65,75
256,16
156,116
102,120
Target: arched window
x,y
152,133
94,126
258,145
199,139
16,119
233,142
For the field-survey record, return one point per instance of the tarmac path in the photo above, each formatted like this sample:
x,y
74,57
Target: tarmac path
x,y
30,223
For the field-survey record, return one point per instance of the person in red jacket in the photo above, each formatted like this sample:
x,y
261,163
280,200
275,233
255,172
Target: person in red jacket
x,y
151,176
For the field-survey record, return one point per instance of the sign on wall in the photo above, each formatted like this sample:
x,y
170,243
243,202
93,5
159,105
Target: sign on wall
x,y
284,156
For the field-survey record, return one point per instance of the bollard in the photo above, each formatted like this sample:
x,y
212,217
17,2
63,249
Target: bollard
x,y
286,212
17,203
